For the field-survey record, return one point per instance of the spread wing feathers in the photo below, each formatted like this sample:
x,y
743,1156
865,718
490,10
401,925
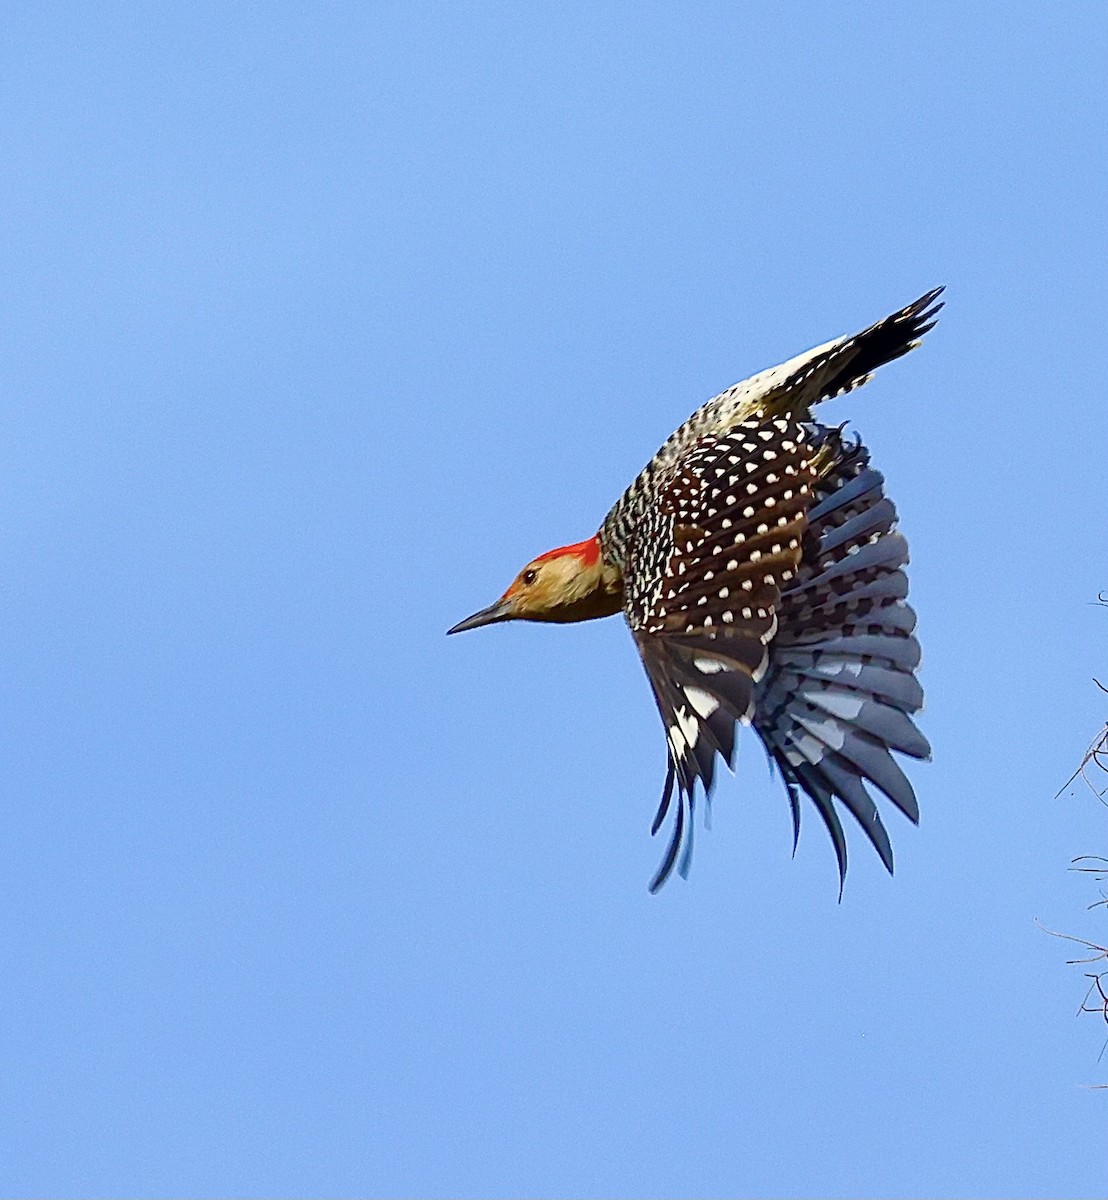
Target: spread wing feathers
x,y
840,688
707,568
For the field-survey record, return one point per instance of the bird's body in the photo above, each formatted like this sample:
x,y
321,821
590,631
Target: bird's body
x,y
756,560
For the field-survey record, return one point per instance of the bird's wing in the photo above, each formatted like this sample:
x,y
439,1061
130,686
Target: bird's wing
x,y
702,587
840,690
768,587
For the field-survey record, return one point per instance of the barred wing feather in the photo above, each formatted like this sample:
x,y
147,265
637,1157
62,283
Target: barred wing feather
x,y
840,691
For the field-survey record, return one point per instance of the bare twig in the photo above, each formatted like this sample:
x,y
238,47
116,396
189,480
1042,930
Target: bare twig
x,y
1095,1001
1096,755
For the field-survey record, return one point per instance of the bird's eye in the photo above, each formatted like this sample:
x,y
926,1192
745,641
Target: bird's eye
x,y
530,575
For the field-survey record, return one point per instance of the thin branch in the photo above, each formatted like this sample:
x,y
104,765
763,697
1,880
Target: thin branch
x,y
1097,755
1101,951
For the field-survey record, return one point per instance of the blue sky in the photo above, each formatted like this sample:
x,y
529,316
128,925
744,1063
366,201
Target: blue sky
x,y
317,323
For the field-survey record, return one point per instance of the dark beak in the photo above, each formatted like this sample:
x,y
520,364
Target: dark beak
x,y
500,611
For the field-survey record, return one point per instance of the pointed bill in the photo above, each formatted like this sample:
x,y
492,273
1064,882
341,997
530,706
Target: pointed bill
x,y
500,611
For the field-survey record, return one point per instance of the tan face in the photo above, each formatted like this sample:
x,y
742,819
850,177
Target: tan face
x,y
547,584
557,587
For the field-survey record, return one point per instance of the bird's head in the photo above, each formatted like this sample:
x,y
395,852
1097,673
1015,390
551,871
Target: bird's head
x,y
572,583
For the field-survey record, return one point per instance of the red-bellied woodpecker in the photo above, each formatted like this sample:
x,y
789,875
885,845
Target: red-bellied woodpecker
x,y
757,562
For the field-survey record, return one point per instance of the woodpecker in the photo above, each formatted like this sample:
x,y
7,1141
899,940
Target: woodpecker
x,y
757,561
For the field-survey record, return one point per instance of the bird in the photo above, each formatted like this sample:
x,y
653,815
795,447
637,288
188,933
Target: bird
x,y
758,564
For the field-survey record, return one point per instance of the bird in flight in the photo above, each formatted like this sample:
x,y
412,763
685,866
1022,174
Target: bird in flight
x,y
757,561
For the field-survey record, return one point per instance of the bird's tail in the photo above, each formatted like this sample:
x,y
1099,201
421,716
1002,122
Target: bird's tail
x,y
856,358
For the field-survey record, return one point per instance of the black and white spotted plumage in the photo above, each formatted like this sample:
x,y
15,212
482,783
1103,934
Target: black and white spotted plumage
x,y
763,583
819,374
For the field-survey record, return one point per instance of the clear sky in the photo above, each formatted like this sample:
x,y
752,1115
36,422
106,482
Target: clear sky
x,y
317,322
